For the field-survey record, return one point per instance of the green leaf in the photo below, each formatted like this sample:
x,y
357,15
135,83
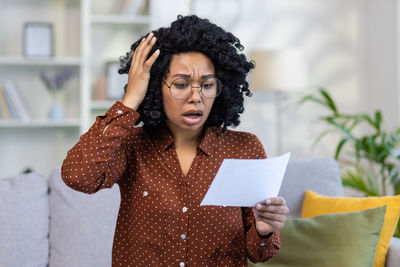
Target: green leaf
x,y
311,98
355,180
328,100
339,147
378,120
342,129
367,118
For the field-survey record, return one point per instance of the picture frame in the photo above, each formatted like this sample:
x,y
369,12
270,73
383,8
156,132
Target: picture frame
x,y
115,81
38,39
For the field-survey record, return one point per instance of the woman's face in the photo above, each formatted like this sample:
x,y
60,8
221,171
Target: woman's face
x,y
191,112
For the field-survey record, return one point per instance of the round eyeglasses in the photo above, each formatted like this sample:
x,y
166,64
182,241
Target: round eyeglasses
x,y
181,88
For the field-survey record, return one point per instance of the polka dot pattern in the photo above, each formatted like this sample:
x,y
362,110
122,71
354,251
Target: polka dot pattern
x,y
160,221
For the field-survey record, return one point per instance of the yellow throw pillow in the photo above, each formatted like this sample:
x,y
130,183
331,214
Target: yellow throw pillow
x,y
315,204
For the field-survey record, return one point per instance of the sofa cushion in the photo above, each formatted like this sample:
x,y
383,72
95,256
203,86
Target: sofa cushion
x,y
24,221
341,239
320,175
82,226
316,204
393,255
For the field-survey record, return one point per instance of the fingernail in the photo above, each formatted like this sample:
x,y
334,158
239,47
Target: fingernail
x,y
258,206
153,39
151,34
157,51
268,201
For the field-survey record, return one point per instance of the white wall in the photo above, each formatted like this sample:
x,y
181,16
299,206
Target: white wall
x,y
380,88
351,46
351,50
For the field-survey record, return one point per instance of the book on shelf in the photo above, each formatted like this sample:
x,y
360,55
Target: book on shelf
x,y
15,102
100,89
10,105
5,113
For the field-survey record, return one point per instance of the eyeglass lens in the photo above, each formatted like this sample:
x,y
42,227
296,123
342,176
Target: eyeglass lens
x,y
182,88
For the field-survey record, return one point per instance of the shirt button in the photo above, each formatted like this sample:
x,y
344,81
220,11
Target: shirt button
x,y
119,111
145,193
262,244
183,236
184,209
182,264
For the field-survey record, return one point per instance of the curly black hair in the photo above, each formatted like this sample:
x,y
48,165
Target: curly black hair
x,y
191,33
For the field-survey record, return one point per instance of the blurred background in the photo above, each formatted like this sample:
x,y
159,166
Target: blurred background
x,y
58,61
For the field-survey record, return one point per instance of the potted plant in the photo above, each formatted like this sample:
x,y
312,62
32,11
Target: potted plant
x,y
371,164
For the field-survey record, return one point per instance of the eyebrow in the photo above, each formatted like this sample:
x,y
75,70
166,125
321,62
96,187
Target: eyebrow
x,y
188,75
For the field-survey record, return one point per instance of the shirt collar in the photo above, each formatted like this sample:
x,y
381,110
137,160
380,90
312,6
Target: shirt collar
x,y
163,139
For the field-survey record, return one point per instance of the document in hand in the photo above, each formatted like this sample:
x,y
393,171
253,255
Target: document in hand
x,y
245,182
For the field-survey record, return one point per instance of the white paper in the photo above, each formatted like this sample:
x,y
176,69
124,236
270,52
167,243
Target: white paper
x,y
245,182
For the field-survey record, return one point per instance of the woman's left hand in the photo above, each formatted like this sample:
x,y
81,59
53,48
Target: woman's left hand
x,y
270,215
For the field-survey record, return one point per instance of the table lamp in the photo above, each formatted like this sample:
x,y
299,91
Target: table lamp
x,y
279,71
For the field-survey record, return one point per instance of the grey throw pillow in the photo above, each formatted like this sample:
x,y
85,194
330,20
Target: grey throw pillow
x,y
320,175
24,221
82,226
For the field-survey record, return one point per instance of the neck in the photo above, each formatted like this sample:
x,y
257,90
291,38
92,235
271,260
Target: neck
x,y
186,137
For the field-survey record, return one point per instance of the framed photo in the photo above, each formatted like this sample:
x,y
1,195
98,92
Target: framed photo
x,y
38,39
115,81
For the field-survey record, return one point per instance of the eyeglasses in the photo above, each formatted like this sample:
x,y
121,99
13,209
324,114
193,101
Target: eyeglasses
x,y
181,88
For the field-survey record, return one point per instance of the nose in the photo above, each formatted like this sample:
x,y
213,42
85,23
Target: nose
x,y
195,96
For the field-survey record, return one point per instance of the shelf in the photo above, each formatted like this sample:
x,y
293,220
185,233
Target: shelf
x,y
68,123
120,19
21,61
81,29
105,104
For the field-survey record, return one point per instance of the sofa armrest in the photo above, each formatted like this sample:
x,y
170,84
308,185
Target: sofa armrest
x,y
393,254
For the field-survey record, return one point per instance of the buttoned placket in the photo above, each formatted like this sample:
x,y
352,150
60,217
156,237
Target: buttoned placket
x,y
183,210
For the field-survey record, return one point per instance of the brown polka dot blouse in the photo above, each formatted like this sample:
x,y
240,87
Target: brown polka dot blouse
x,y
160,221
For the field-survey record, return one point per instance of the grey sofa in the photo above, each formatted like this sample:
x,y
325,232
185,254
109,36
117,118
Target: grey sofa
x,y
45,223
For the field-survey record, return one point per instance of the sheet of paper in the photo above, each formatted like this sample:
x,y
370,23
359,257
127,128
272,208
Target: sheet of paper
x,y
245,182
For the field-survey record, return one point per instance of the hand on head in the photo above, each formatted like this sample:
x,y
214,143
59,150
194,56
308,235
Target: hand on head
x,y
139,72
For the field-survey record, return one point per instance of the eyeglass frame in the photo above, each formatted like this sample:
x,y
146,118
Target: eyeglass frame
x,y
191,87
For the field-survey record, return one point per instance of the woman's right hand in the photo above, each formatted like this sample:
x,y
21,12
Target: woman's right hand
x,y
139,72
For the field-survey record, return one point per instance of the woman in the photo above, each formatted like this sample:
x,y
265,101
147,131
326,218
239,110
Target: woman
x,y
185,85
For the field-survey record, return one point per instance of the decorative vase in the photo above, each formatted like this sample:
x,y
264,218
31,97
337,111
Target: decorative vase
x,y
56,111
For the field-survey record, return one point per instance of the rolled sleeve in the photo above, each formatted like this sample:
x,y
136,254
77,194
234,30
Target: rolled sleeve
x,y
99,160
258,248
261,249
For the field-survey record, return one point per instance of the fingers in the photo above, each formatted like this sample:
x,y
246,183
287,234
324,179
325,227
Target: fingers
x,y
146,50
272,209
276,201
136,54
270,215
151,60
140,51
273,225
276,217
273,205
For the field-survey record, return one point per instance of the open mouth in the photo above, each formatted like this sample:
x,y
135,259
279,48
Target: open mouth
x,y
192,117
193,114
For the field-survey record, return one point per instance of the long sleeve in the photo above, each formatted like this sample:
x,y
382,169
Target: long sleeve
x,y
99,160
258,249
